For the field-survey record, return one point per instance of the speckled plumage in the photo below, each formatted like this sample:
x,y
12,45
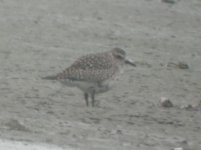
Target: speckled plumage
x,y
92,67
93,72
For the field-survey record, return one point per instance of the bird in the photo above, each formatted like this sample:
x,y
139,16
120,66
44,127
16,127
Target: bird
x,y
93,73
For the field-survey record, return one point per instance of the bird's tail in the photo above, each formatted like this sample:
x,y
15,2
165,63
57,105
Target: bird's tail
x,y
50,78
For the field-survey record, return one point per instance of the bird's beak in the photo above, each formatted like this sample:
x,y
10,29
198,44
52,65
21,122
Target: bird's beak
x,y
130,62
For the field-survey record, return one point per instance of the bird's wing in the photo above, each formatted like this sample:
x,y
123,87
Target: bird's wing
x,y
95,68
93,61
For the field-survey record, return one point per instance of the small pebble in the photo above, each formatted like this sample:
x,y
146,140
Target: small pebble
x,y
183,65
179,65
192,107
188,107
169,1
165,102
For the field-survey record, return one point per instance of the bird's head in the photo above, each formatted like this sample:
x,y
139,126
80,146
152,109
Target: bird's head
x,y
120,55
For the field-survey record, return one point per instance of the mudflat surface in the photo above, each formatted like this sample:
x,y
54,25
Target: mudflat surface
x,y
40,38
21,145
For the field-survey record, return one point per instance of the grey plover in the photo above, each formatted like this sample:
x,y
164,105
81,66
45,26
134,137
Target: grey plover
x,y
93,73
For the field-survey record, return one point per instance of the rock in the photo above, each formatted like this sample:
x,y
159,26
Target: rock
x,y
165,102
192,107
178,65
183,65
188,107
169,1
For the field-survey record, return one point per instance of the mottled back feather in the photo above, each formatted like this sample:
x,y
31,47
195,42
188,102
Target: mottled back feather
x,y
91,67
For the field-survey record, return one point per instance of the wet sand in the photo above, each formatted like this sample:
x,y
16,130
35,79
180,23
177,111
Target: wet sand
x,y
40,38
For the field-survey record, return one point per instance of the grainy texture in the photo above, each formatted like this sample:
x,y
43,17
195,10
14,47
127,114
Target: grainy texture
x,y
39,38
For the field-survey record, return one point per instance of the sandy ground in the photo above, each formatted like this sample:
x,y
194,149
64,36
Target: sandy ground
x,y
13,145
40,38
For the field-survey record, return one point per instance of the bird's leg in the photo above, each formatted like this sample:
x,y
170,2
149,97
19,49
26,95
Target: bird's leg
x,y
93,98
86,96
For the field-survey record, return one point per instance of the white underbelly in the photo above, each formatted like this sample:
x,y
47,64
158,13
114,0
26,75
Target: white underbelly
x,y
87,86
